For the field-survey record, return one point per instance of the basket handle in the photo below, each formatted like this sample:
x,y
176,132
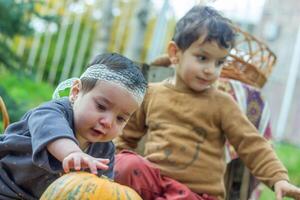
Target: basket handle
x,y
5,115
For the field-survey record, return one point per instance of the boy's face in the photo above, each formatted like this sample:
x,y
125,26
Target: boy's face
x,y
101,114
199,66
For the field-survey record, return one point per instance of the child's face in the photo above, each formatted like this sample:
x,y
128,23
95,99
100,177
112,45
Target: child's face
x,y
101,114
199,65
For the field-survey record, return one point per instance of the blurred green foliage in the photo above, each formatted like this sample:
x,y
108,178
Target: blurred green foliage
x,y
21,93
15,18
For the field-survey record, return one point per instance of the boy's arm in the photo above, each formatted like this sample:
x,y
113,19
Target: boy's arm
x,y
254,150
71,156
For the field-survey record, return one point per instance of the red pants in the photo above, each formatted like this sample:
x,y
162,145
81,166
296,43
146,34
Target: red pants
x,y
138,173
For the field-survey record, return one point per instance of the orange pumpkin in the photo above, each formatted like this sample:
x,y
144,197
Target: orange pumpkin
x,y
84,185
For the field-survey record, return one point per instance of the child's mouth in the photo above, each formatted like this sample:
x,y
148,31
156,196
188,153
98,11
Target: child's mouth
x,y
202,81
97,132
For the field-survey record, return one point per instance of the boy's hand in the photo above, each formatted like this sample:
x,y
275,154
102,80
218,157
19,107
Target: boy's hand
x,y
285,189
80,160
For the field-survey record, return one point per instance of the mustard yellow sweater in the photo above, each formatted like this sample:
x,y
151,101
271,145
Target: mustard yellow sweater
x,y
186,132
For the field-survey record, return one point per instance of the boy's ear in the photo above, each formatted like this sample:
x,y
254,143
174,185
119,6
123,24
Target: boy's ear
x,y
75,89
173,52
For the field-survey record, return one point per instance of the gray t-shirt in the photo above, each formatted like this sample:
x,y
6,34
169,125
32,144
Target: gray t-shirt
x,y
26,167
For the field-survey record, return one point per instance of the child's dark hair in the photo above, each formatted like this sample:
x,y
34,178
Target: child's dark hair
x,y
207,22
119,64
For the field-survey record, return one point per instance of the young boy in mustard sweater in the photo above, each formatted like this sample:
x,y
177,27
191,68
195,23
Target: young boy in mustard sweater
x,y
187,121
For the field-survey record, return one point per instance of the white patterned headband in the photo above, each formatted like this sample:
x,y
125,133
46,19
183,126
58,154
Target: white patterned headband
x,y
104,73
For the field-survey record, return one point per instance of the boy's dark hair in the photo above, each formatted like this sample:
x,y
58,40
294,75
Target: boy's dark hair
x,y
119,64
204,21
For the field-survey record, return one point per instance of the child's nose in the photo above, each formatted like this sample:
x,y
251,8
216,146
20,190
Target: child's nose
x,y
209,69
106,121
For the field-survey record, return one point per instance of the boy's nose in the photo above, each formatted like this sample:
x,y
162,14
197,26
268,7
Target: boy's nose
x,y
210,69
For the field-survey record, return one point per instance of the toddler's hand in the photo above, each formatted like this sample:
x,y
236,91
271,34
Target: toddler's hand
x,y
81,160
285,189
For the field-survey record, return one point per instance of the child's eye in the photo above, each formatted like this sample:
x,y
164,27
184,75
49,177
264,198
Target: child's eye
x,y
220,62
201,58
121,119
101,107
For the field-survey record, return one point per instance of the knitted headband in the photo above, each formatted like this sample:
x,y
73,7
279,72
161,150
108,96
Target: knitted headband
x,y
104,73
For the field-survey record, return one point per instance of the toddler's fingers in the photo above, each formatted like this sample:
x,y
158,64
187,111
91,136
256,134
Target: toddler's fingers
x,y
101,165
91,164
77,163
66,165
103,160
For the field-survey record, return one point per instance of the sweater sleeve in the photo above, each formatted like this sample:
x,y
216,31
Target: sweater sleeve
x,y
254,150
134,130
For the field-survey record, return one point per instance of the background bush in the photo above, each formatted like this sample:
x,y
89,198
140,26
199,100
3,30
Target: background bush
x,y
21,93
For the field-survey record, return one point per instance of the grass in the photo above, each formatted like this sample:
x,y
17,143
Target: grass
x,y
289,155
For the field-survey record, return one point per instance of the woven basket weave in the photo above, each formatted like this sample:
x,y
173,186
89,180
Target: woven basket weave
x,y
250,61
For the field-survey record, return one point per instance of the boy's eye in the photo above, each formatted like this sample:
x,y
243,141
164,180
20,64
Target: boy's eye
x,y
220,62
201,58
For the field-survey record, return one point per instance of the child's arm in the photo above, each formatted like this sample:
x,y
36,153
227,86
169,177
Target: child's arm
x,y
71,156
284,188
255,151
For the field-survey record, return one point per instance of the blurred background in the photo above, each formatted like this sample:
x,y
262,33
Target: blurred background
x,y
45,42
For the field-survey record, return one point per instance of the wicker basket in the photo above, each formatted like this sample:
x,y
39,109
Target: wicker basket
x,y
250,61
